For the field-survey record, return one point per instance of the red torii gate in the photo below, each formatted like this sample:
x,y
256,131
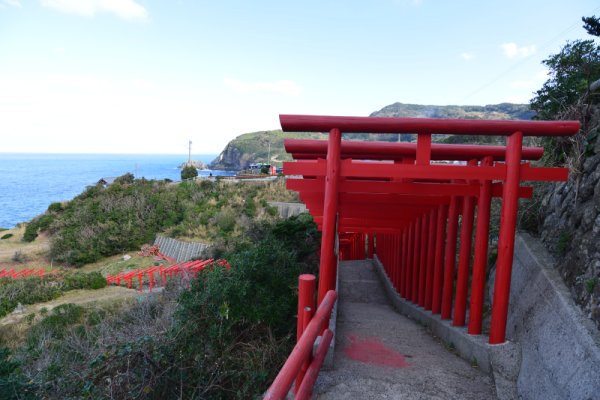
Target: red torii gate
x,y
363,197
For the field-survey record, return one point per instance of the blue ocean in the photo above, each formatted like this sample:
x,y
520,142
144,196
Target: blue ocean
x,y
30,182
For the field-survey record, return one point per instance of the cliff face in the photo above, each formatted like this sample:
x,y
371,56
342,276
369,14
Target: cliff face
x,y
257,147
231,158
571,230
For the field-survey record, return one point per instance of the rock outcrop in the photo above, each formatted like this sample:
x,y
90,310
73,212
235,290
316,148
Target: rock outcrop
x,y
571,230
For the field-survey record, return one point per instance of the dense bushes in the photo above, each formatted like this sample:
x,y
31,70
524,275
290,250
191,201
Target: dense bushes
x,y
121,217
13,385
79,280
224,337
34,289
25,291
37,224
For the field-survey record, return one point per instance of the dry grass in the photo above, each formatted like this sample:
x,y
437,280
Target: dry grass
x,y
35,252
14,326
115,264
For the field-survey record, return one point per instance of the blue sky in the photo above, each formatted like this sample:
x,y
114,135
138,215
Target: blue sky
x,y
146,76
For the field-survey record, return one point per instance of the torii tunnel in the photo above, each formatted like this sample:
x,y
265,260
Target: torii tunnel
x,y
411,205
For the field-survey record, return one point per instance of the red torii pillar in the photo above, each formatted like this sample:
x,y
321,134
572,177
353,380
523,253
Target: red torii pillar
x,y
328,262
506,240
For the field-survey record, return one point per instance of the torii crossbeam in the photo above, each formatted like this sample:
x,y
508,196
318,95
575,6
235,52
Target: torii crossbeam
x,y
410,196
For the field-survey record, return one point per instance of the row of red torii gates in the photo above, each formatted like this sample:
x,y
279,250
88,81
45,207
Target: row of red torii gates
x,y
393,191
413,205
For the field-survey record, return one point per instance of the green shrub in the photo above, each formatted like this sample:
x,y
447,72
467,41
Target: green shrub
x,y
272,211
564,239
31,232
55,207
25,291
188,172
126,179
60,318
6,236
79,280
13,385
590,284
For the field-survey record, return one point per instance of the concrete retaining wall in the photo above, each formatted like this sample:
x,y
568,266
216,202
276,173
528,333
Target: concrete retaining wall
x,y
553,351
560,347
180,251
287,210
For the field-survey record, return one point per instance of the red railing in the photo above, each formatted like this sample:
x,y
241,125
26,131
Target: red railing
x,y
164,273
301,366
24,273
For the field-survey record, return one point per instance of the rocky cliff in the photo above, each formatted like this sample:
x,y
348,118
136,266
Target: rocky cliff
x,y
257,147
571,228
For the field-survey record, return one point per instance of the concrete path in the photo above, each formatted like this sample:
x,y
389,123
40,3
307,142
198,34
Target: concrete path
x,y
380,354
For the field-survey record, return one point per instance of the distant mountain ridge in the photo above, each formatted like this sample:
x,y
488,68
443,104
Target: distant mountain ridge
x,y
492,111
253,147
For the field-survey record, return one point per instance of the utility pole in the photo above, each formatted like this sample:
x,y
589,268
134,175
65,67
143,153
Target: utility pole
x,y
190,153
269,156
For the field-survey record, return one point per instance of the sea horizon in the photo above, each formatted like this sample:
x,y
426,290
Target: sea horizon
x,y
30,182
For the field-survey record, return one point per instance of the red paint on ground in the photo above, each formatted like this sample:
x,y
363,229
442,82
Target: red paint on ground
x,y
371,350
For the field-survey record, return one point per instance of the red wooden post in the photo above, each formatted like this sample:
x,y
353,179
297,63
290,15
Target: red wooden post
x,y
430,258
423,259
374,243
481,251
151,277
392,273
370,245
306,298
438,268
506,241
464,259
397,260
306,317
363,244
450,259
328,264
423,149
140,278
416,258
402,285
409,261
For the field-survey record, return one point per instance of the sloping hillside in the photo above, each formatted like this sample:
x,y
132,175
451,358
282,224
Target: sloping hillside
x,y
254,147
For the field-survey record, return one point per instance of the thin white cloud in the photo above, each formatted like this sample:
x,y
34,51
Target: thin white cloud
x,y
512,50
125,9
467,56
535,82
286,87
12,3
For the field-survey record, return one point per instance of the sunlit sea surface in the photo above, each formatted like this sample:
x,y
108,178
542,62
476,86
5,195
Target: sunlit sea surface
x,y
30,182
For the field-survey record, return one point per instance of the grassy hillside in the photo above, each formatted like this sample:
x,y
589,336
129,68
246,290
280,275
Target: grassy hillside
x,y
102,222
492,111
254,147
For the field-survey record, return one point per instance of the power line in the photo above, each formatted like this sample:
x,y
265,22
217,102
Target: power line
x,y
518,64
